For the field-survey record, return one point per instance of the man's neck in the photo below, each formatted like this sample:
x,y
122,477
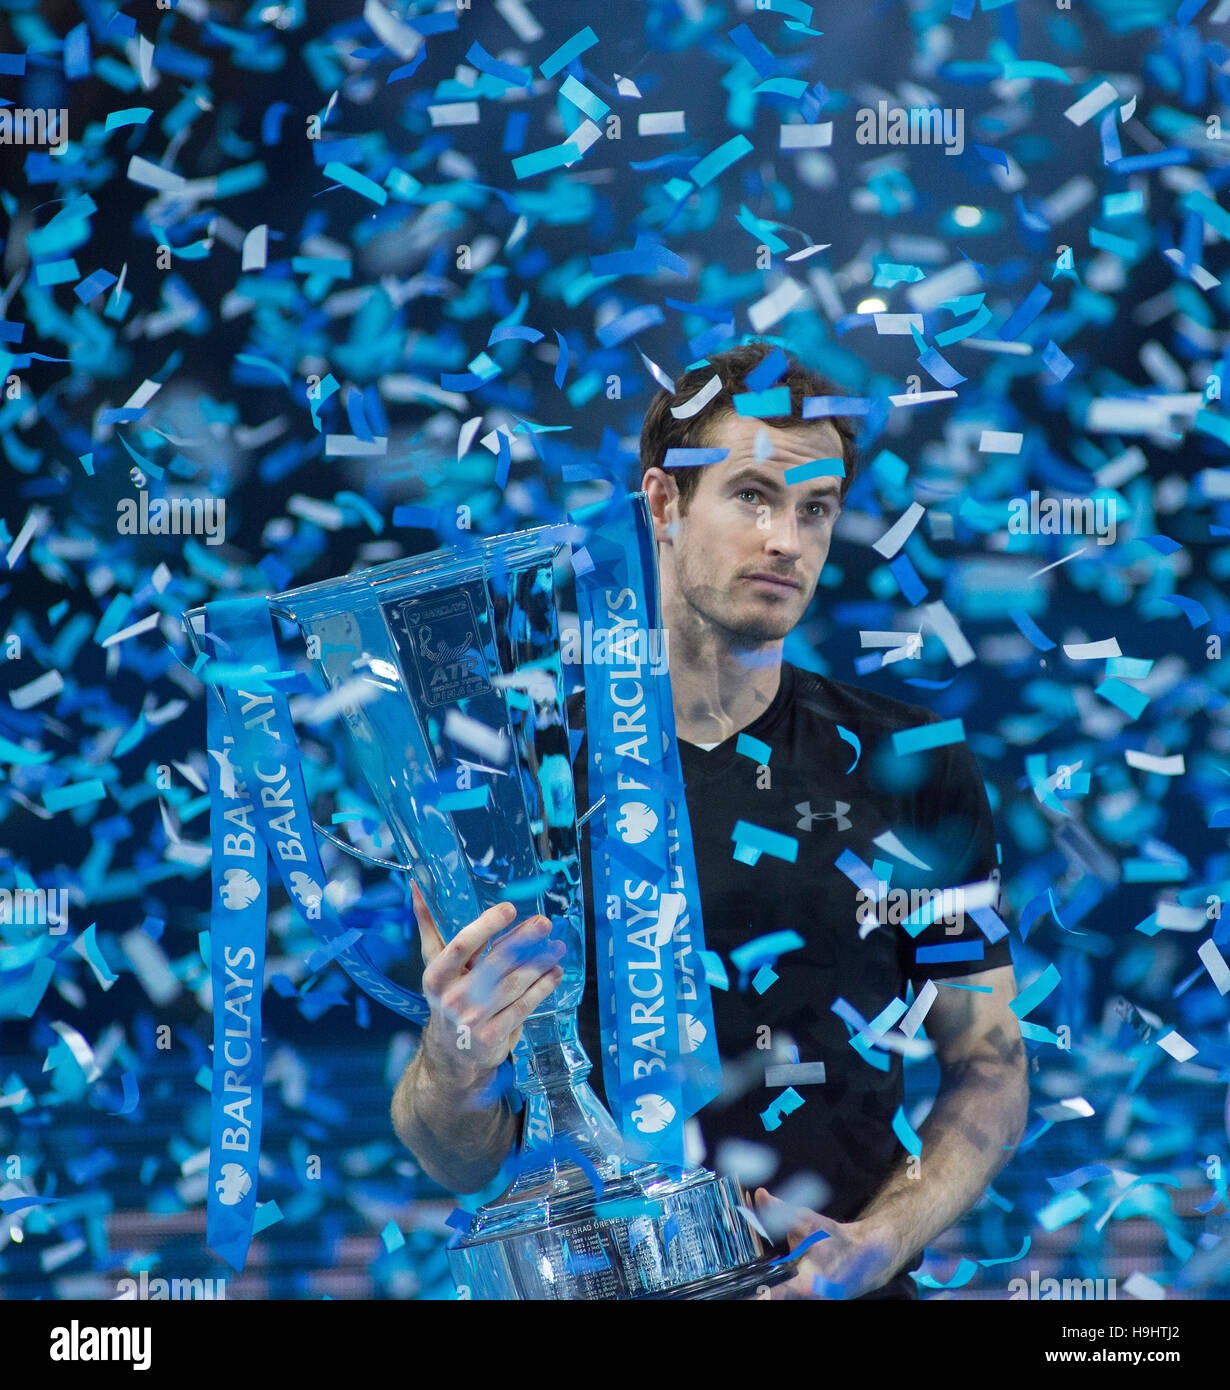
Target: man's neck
x,y
718,687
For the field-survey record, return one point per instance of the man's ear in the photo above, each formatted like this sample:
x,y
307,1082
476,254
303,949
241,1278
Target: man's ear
x,y
662,493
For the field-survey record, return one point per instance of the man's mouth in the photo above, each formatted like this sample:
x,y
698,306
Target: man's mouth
x,y
775,581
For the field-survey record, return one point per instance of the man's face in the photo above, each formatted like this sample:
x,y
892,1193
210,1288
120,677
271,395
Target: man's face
x,y
747,554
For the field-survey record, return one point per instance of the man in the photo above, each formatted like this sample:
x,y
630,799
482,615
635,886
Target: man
x,y
741,545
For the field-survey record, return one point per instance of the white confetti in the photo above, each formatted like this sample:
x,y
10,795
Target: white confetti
x,y
454,113
775,305
945,627
1122,467
351,446
1200,277
795,1074
750,1217
995,345
523,24
466,434
36,691
323,514
143,394
897,534
1092,651
698,402
807,137
401,38
999,442
36,520
892,845
80,1049
150,175
1178,1046
133,630
1138,1285
1091,103
657,373
256,248
479,737
926,996
1173,766
1128,415
669,907
660,123
1175,917
898,323
582,138
1214,963
923,397
342,699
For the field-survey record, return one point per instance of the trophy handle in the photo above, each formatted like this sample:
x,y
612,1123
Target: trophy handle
x,y
361,854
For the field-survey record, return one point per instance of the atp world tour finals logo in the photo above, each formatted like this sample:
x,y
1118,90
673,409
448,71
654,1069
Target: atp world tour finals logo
x,y
438,638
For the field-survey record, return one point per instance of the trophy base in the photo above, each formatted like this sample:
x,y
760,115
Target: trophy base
x,y
748,1281
678,1239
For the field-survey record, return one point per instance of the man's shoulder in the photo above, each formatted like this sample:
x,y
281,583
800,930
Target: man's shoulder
x,y
852,706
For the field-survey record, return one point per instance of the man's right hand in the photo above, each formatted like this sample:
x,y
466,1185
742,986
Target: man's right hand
x,y
479,1006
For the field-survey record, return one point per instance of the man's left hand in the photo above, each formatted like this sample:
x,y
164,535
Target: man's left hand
x,y
845,1260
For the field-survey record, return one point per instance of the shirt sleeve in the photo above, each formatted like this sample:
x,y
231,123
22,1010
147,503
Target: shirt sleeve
x,y
951,829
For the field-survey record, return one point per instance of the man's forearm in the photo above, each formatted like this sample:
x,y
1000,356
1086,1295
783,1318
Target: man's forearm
x,y
976,1122
458,1136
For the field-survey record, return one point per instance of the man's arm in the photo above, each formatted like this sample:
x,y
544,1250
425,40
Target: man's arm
x,y
443,1109
447,1120
975,1124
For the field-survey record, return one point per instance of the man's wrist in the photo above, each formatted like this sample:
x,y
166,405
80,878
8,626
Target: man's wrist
x,y
884,1236
445,1066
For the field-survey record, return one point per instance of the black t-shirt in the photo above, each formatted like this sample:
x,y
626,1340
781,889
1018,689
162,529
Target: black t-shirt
x,y
934,803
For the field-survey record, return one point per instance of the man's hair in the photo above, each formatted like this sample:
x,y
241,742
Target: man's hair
x,y
662,431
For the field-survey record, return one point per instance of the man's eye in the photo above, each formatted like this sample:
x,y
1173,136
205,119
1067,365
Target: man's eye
x,y
747,492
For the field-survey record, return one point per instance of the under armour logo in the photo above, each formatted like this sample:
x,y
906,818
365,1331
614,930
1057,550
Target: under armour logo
x,y
838,813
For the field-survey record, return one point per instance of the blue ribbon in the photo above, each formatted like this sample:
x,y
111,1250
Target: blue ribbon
x,y
237,970
654,1007
264,734
258,805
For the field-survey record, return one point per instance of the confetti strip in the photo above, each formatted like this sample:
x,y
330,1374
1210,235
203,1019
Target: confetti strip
x,y
937,735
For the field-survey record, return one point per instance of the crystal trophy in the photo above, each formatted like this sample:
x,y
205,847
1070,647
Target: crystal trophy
x,y
447,671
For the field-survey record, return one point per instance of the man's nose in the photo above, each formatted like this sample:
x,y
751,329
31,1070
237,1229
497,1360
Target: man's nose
x,y
783,534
